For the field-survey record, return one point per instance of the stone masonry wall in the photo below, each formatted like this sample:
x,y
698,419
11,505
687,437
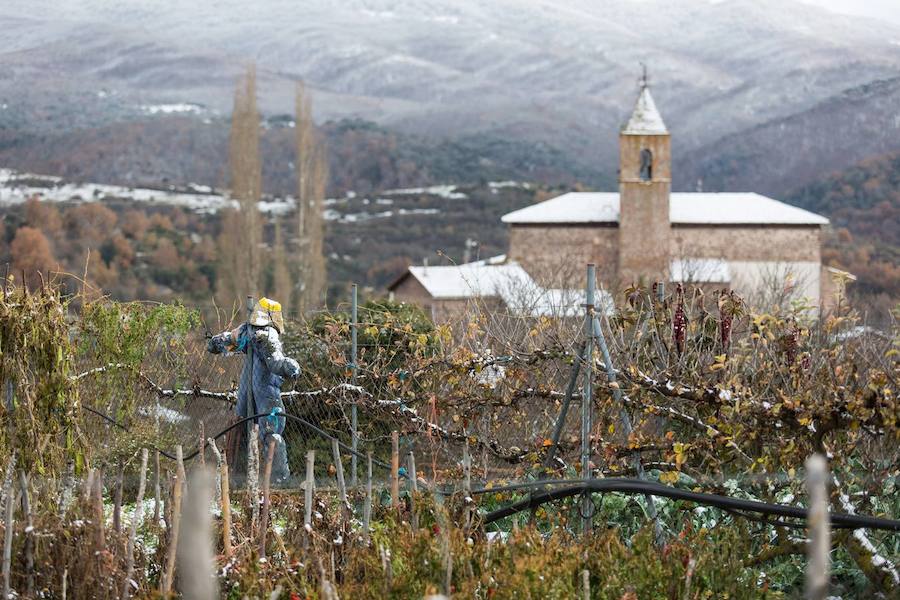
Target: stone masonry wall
x,y
644,230
747,243
556,255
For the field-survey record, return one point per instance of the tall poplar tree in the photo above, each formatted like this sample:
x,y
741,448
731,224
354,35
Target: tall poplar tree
x,y
312,176
239,242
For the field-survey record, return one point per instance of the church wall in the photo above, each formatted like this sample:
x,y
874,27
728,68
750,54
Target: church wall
x,y
753,243
767,263
763,283
556,255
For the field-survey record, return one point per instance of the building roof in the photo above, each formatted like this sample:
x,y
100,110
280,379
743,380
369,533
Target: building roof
x,y
497,278
469,280
645,118
723,208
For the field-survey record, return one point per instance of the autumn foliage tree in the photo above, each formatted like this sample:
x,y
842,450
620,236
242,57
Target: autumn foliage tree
x,y
31,255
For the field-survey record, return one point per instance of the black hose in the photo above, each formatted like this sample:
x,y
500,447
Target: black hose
x,y
196,452
735,506
636,486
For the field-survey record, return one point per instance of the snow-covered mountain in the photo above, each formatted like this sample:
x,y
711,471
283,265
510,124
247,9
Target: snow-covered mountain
x,y
561,71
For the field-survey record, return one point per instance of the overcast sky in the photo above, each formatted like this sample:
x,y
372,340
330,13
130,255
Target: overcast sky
x,y
879,9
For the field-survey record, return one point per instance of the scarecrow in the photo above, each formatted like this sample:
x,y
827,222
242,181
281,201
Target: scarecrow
x,y
265,368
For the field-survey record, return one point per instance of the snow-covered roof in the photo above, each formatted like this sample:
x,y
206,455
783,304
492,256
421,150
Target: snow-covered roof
x,y
645,118
738,208
470,280
699,270
722,208
497,278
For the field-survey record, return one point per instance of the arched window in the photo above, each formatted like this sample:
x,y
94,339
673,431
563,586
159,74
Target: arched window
x,y
646,165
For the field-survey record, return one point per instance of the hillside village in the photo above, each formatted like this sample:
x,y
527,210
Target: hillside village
x,y
754,245
437,301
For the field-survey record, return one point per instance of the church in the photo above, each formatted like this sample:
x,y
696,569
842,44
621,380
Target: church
x,y
763,249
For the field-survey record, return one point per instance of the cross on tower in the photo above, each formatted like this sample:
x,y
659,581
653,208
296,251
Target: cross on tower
x,y
644,81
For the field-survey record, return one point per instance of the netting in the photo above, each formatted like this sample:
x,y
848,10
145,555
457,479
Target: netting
x,y
441,392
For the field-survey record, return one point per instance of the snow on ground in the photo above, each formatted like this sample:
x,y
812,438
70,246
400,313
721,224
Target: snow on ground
x,y
170,109
17,187
333,215
443,191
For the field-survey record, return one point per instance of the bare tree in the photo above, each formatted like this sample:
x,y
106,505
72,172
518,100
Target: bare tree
x,y
239,242
281,276
312,175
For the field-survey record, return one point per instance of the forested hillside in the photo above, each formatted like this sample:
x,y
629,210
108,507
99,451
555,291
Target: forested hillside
x,y
863,203
363,156
159,251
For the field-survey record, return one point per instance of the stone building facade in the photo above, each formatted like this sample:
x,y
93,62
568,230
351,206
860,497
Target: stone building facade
x,y
762,248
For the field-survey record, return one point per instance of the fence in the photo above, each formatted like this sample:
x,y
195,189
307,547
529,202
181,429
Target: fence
x,y
356,392
535,407
549,417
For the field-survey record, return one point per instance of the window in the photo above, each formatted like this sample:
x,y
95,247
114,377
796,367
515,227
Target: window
x,y
646,173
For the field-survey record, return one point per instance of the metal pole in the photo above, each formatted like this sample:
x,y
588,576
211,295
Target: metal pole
x,y
354,433
564,410
586,398
627,427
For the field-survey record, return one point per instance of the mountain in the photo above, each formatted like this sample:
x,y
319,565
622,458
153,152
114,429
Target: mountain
x,y
530,71
178,149
785,153
863,203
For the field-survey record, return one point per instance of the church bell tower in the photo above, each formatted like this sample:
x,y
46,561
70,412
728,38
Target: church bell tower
x,y
645,182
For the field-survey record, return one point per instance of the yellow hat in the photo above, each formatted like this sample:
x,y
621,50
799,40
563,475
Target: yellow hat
x,y
267,312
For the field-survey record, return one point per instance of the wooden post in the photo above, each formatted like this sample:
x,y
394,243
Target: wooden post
x,y
9,495
448,573
174,526
135,522
157,490
818,523
182,475
413,490
99,517
117,500
586,584
308,489
339,467
253,477
88,491
367,507
226,507
467,469
65,496
196,558
218,470
29,535
267,477
386,568
395,470
202,447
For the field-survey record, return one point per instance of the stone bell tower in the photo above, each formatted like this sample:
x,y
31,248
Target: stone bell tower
x,y
645,182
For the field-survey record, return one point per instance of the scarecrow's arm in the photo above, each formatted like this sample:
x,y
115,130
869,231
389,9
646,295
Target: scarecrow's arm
x,y
272,352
